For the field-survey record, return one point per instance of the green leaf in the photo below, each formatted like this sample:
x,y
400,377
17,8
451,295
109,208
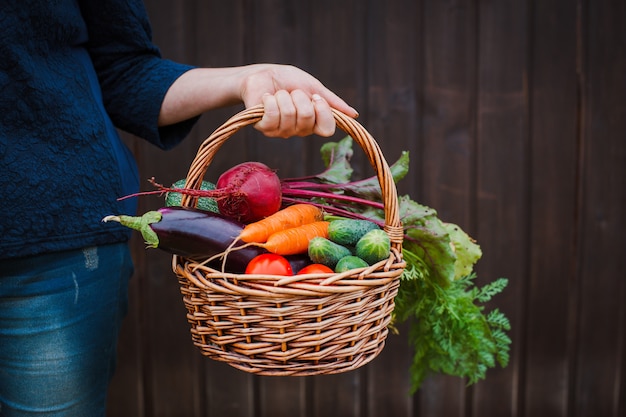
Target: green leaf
x,y
336,157
369,188
498,320
449,332
487,292
426,237
412,212
466,249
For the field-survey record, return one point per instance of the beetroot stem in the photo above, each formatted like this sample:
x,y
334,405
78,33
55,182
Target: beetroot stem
x,y
141,193
215,194
310,185
330,196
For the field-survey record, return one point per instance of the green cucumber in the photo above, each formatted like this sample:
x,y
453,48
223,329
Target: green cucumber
x,y
204,203
347,232
350,262
323,251
374,246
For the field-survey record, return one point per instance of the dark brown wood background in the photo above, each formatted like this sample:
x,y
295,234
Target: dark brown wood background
x,y
514,113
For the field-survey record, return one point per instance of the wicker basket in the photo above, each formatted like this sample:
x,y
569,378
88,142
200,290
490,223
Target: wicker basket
x,y
275,325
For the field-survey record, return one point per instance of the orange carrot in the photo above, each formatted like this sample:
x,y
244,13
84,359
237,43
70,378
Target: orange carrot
x,y
291,216
296,239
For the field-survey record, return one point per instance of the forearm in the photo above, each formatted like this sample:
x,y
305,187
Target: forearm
x,y
200,90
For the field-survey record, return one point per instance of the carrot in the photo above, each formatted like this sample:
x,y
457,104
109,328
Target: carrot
x,y
289,217
296,239
290,241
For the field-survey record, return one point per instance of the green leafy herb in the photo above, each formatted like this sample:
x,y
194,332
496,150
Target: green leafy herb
x,y
448,327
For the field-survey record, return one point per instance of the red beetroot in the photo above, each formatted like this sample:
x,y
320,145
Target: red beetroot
x,y
246,192
253,191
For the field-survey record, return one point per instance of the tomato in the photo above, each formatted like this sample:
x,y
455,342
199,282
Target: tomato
x,y
315,269
269,264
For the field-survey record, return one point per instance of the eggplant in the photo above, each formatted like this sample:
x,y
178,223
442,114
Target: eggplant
x,y
198,234
297,262
192,233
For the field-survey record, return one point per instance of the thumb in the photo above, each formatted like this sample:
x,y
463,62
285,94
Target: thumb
x,y
255,88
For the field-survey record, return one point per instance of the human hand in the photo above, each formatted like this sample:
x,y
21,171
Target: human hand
x,y
295,103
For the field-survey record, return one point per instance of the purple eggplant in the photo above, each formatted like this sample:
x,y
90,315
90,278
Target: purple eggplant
x,y
198,234
192,233
297,262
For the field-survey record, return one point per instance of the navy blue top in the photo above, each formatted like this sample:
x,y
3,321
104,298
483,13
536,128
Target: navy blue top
x,y
71,72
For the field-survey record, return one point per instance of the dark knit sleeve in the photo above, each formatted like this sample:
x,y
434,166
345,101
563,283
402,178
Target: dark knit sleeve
x,y
132,74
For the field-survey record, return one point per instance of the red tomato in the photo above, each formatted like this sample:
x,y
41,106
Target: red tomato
x,y
315,269
269,264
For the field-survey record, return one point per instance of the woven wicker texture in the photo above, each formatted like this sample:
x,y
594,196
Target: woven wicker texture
x,y
301,325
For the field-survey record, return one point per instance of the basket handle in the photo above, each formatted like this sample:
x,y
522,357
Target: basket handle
x,y
249,116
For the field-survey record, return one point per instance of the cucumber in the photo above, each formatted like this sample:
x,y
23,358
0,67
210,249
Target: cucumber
x,y
323,251
374,246
350,262
204,203
347,232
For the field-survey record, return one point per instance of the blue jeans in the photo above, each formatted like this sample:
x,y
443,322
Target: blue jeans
x,y
60,315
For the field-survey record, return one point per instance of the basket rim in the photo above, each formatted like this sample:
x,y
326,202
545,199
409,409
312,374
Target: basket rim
x,y
206,278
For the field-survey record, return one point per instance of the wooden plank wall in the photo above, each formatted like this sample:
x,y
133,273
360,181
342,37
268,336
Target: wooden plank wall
x,y
515,117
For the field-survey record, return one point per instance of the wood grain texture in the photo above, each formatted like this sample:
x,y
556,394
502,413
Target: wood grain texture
x,y
514,113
